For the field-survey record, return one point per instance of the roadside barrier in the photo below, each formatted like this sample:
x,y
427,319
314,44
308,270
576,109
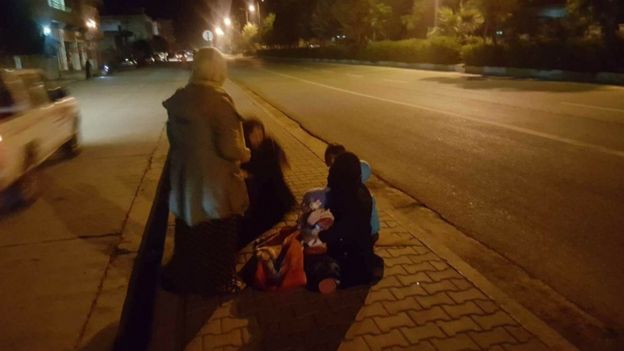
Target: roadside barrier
x,y
135,327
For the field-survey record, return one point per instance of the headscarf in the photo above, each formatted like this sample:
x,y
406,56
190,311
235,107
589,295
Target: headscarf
x,y
345,174
248,127
209,68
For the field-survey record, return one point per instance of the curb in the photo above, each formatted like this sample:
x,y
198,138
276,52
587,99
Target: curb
x,y
103,322
550,75
387,196
421,66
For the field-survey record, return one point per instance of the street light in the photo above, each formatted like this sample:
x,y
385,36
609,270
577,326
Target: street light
x,y
252,8
47,30
208,36
91,24
219,31
227,21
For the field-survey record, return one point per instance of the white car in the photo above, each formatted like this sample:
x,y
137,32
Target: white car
x,y
35,122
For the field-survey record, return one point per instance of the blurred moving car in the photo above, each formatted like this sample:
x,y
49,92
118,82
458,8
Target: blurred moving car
x,y
128,62
36,121
106,70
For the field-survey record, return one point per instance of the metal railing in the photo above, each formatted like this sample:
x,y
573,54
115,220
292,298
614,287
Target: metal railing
x,y
135,327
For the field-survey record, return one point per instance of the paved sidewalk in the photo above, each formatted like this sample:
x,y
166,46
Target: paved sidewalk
x,y
422,303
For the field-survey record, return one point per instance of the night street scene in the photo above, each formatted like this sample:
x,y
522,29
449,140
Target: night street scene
x,y
353,175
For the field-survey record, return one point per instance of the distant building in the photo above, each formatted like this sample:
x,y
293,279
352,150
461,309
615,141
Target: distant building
x,y
120,30
71,29
166,31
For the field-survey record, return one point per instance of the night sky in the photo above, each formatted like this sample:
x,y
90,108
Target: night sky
x,y
191,17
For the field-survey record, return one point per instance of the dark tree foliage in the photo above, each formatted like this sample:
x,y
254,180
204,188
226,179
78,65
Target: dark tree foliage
x,y
323,23
607,13
159,44
142,49
292,20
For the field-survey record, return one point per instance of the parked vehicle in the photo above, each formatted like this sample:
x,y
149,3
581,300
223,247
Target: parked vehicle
x,y
36,121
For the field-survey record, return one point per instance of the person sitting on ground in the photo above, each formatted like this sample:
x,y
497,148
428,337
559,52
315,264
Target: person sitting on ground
x,y
270,198
349,241
334,150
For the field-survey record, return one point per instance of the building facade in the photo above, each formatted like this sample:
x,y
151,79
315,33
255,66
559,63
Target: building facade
x,y
167,32
137,26
71,29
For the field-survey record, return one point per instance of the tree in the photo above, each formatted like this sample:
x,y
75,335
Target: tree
x,y
323,23
379,17
395,28
292,20
496,14
361,20
606,13
249,37
416,21
159,44
460,23
420,17
142,50
266,31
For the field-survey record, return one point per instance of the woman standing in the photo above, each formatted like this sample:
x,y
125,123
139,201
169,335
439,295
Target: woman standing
x,y
208,194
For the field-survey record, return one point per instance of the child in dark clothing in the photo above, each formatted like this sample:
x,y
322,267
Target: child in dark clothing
x,y
334,150
331,152
349,240
270,198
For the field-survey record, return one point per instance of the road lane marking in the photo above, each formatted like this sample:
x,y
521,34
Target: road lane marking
x,y
610,109
474,119
355,75
395,81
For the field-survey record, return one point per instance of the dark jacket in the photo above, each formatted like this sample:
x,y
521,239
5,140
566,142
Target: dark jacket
x,y
348,240
269,195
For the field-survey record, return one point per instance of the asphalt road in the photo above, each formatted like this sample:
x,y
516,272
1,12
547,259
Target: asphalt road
x,y
53,255
532,169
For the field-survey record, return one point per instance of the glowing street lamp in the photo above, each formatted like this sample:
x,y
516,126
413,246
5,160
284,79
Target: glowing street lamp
x,y
219,31
91,24
47,30
227,21
252,8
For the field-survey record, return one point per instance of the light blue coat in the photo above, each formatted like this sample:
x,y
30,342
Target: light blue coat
x,y
366,174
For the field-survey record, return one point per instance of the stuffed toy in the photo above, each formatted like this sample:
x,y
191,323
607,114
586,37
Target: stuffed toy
x,y
314,219
322,272
281,253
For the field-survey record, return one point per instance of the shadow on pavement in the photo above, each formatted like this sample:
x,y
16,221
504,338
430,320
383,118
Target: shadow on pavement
x,y
178,319
299,319
513,84
103,340
292,320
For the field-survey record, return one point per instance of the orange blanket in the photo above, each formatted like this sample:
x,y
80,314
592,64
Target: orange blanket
x,y
280,262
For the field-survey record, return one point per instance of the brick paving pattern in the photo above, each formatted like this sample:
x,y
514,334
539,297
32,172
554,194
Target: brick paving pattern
x,y
422,303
